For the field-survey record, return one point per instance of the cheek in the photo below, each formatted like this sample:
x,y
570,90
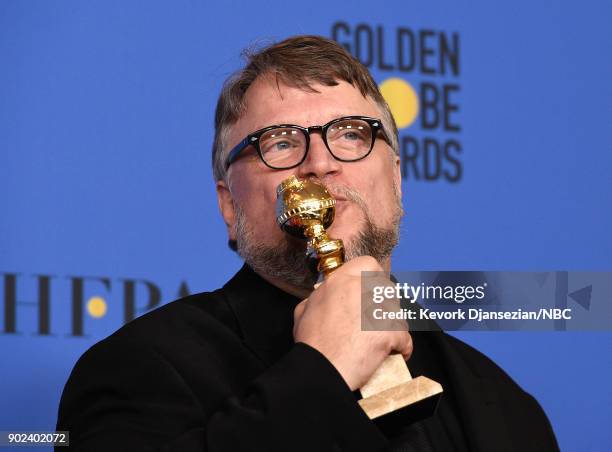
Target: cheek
x,y
379,192
256,198
378,184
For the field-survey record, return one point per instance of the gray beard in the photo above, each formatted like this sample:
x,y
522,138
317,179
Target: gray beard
x,y
287,260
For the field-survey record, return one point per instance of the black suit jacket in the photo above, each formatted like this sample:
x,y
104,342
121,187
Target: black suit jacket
x,y
219,371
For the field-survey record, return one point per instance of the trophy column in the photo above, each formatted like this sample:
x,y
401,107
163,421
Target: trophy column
x,y
305,209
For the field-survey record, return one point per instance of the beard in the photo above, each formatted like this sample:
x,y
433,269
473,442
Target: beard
x,y
287,260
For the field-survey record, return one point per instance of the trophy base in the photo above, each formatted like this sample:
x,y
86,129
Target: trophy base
x,y
412,401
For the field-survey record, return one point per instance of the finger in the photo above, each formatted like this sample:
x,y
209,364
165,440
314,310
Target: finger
x,y
361,264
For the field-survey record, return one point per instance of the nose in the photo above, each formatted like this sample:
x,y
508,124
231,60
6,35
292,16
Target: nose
x,y
319,162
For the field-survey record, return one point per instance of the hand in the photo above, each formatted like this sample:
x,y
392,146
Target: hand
x,y
330,321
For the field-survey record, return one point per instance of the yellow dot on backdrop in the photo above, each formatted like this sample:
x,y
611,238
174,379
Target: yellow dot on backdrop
x,y
96,306
402,99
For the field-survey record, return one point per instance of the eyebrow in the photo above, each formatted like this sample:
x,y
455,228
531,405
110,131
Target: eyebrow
x,y
335,115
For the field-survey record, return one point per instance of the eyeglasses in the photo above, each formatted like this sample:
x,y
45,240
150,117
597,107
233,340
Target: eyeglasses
x,y
285,146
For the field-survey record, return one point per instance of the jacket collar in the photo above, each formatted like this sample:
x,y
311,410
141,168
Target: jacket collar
x,y
264,314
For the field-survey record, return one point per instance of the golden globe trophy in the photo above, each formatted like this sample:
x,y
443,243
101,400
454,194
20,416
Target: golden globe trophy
x,y
304,209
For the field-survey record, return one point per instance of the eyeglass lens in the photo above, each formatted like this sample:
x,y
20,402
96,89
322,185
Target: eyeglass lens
x,y
283,147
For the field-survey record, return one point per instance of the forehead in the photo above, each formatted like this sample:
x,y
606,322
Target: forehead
x,y
268,102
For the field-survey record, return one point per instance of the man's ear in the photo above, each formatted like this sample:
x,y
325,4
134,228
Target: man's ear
x,y
226,206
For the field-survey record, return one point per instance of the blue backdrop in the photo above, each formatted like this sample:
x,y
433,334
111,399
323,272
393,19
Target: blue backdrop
x,y
107,200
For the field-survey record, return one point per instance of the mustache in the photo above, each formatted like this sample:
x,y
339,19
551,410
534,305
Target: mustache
x,y
342,192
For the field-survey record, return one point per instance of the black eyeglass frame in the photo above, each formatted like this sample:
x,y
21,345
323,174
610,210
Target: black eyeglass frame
x,y
253,139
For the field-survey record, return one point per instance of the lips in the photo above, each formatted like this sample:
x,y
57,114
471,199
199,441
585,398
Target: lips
x,y
341,204
341,201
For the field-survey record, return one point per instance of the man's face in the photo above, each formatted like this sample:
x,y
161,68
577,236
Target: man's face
x,y
367,191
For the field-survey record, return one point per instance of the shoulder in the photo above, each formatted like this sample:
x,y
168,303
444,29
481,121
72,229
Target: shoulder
x,y
164,339
185,319
175,349
477,361
467,360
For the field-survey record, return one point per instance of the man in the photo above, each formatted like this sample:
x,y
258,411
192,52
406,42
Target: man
x,y
267,363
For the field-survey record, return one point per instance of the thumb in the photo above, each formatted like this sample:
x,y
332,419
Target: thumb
x,y
299,310
406,347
